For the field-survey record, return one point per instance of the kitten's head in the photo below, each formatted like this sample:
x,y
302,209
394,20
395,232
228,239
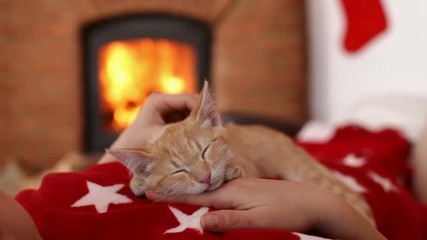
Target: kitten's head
x,y
188,158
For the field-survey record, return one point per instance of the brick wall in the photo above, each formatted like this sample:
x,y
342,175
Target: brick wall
x,y
258,65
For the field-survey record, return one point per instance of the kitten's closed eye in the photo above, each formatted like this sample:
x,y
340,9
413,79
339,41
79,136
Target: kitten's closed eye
x,y
204,151
179,171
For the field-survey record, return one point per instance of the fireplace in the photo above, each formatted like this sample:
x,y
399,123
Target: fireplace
x,y
127,58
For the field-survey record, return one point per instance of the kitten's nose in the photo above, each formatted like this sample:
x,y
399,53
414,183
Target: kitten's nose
x,y
206,178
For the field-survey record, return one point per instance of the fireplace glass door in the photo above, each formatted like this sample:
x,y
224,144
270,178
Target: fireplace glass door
x,y
132,69
126,59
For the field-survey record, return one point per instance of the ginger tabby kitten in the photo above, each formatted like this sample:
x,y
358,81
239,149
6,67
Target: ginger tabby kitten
x,y
199,154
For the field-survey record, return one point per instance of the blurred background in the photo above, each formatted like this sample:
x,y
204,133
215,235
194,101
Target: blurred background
x,y
73,73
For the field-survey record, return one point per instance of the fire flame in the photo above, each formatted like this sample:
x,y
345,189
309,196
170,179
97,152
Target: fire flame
x,y
131,70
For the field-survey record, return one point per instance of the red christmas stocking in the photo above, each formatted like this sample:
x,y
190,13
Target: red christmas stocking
x,y
365,20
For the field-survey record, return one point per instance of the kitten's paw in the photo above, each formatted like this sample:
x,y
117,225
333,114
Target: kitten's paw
x,y
232,172
137,187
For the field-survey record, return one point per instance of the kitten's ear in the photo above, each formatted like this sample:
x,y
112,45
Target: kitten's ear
x,y
205,108
136,161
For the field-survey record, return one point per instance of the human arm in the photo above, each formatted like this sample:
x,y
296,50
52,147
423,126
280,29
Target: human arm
x,y
15,222
420,166
286,205
158,110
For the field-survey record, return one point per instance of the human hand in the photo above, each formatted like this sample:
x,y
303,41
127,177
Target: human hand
x,y
286,205
157,111
252,203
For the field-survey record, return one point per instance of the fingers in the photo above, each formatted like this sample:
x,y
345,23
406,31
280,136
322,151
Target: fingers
x,y
165,102
167,108
236,194
214,199
224,220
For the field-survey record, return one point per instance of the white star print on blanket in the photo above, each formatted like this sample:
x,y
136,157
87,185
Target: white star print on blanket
x,y
385,183
101,197
352,160
187,221
308,237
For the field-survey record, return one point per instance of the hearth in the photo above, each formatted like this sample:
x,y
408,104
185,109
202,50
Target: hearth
x,y
127,58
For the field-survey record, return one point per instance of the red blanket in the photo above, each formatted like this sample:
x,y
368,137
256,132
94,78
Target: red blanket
x,y
98,204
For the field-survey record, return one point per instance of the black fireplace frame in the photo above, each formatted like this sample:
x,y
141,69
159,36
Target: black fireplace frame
x,y
95,35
